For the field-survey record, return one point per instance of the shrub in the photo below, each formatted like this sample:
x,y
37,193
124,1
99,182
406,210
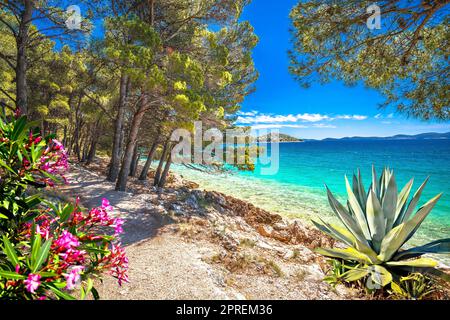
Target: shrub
x,y
377,225
47,250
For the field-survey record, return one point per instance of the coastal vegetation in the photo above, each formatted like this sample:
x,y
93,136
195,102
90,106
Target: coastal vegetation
x,y
406,59
49,249
80,95
378,224
156,67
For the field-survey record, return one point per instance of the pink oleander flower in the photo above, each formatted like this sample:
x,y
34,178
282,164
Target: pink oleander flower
x,y
55,160
67,241
118,223
73,277
32,282
106,205
119,263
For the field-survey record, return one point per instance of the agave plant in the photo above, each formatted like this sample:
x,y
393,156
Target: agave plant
x,y
377,224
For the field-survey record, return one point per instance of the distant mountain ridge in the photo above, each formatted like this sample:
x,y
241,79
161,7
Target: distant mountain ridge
x,y
281,138
421,136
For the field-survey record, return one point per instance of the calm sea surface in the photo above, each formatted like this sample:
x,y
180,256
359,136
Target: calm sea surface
x,y
297,190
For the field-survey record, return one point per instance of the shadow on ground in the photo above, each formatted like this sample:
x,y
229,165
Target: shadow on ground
x,y
142,218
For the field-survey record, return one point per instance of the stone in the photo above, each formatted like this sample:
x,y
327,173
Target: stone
x,y
283,236
265,230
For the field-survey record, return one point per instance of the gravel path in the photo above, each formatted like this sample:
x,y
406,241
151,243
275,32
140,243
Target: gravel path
x,y
162,265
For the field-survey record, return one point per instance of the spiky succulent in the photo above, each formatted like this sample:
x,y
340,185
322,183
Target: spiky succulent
x,y
377,224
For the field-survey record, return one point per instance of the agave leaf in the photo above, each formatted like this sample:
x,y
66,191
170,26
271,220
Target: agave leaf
x,y
358,190
349,254
382,184
380,275
375,219
395,238
345,217
335,234
356,208
375,185
355,274
412,204
401,200
347,237
389,203
441,246
421,263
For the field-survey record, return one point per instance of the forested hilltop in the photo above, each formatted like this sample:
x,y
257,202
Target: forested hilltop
x,y
156,66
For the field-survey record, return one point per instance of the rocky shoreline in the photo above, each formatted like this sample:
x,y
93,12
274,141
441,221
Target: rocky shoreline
x,y
218,246
239,251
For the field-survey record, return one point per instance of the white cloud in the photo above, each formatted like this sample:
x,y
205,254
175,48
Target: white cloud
x,y
277,126
255,118
351,117
381,116
308,117
247,114
323,125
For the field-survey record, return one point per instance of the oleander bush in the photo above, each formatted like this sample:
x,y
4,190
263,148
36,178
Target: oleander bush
x,y
47,250
376,226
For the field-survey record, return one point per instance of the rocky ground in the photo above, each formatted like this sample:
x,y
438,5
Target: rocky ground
x,y
184,243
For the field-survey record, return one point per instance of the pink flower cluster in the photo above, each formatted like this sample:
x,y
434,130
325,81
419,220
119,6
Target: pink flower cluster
x,y
118,263
68,258
66,245
32,282
54,161
101,216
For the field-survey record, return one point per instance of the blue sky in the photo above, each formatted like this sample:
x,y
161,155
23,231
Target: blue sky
x,y
331,110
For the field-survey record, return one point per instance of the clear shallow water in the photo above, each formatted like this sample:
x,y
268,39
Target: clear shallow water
x,y
297,190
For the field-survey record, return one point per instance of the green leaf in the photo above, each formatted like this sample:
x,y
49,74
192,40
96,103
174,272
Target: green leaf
x,y
355,274
19,127
441,246
395,238
380,275
349,254
422,263
10,252
42,255
359,214
95,294
11,275
389,203
401,201
346,218
35,246
32,201
48,274
89,286
375,219
412,204
61,294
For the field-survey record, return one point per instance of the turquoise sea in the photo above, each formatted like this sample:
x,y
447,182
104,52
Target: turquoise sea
x,y
297,190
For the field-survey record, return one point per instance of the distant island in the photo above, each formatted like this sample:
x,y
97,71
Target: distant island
x,y
281,138
422,136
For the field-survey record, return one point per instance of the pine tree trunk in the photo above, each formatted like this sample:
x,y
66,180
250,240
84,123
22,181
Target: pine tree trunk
x,y
162,181
146,168
161,163
21,64
131,143
118,128
134,161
